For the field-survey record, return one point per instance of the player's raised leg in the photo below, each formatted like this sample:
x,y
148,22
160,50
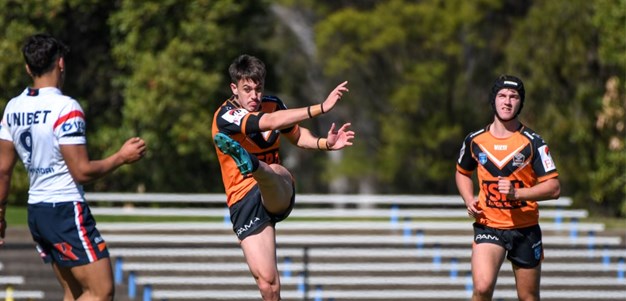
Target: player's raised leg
x,y
228,146
275,181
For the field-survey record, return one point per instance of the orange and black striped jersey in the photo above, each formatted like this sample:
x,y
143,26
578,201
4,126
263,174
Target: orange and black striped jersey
x,y
523,158
243,126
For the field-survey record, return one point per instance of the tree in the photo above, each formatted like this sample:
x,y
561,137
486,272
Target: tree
x,y
175,57
565,80
608,180
413,66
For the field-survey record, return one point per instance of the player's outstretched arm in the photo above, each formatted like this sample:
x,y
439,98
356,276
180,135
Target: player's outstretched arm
x,y
288,118
336,139
334,96
84,170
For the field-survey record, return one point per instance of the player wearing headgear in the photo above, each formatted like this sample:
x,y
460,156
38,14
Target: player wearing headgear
x,y
515,171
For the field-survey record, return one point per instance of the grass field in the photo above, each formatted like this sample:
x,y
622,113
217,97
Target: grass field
x,y
17,216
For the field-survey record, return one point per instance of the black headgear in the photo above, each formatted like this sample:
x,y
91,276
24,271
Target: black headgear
x,y
510,82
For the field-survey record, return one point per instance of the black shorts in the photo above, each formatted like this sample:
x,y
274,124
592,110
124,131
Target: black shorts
x,y
524,247
248,215
66,233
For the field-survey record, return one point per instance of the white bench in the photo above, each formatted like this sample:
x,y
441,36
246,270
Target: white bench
x,y
363,267
323,213
370,280
342,240
459,275
288,226
21,295
330,199
317,253
409,294
11,280
318,283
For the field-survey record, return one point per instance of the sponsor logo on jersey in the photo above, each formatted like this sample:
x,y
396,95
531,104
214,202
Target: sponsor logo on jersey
x,y
482,158
546,158
27,118
76,126
500,147
40,170
235,116
495,199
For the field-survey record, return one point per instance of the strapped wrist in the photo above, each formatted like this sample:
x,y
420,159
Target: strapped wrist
x,y
315,110
322,144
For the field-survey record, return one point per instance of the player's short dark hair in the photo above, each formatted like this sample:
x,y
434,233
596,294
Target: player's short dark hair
x,y
41,52
247,67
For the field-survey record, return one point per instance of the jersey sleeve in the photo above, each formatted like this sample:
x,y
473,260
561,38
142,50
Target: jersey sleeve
x,y
70,127
277,105
465,163
543,164
4,129
232,120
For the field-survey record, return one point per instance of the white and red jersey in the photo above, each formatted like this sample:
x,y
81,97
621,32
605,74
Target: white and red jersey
x,y
38,121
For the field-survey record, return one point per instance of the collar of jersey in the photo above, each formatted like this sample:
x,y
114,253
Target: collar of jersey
x,y
46,90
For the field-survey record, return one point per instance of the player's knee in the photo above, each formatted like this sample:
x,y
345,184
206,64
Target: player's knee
x,y
269,291
104,293
269,287
483,290
528,296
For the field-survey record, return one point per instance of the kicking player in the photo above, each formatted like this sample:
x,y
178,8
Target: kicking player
x,y
515,171
46,130
260,191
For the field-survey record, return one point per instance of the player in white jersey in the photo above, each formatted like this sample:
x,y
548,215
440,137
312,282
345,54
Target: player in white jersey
x,y
46,130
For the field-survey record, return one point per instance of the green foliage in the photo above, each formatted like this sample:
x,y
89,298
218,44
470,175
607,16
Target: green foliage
x,y
565,79
419,74
174,79
413,46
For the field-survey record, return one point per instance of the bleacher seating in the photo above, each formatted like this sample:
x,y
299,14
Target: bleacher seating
x,y
345,247
11,288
